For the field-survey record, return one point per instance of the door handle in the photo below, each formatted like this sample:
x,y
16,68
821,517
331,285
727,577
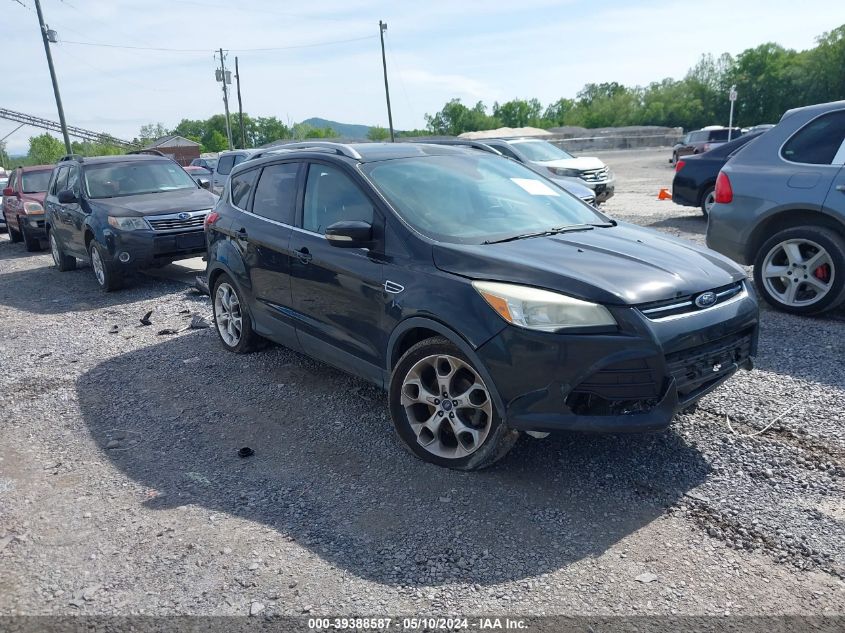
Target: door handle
x,y
304,255
840,188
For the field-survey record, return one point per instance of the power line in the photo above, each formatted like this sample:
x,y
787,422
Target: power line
x,y
208,50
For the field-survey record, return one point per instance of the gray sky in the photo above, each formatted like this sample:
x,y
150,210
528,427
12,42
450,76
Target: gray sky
x,y
490,50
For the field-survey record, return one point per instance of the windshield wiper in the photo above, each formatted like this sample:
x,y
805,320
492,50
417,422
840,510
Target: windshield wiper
x,y
553,231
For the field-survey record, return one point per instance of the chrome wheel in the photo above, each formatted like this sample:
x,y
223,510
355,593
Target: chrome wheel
x,y
227,313
709,201
798,272
97,265
448,406
54,250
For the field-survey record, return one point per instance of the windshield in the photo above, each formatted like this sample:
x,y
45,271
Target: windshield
x,y
540,150
35,181
472,199
113,180
211,163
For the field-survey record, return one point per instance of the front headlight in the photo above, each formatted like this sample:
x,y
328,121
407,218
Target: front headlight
x,y
570,173
33,208
542,310
128,224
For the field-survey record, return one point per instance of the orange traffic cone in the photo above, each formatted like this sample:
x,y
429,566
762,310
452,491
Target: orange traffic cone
x,y
664,195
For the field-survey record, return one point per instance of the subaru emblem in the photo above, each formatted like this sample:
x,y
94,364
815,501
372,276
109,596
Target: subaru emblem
x,y
705,299
185,216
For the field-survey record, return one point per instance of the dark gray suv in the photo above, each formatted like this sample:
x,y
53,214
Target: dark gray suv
x,y
780,205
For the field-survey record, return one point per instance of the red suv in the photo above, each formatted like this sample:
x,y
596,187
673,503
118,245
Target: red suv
x,y
23,205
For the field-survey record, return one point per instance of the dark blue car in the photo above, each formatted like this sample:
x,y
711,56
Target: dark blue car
x,y
486,300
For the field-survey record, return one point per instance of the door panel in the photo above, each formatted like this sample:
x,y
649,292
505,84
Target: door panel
x,y
74,214
338,293
835,201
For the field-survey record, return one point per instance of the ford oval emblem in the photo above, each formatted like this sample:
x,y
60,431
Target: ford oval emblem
x,y
185,216
705,299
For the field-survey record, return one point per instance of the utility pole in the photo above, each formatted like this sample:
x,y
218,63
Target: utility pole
x,y
382,27
240,104
732,97
46,40
222,78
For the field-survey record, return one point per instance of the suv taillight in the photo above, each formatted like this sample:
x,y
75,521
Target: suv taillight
x,y
724,191
680,165
210,219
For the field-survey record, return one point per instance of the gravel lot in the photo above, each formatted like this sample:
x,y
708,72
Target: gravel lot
x,y
121,490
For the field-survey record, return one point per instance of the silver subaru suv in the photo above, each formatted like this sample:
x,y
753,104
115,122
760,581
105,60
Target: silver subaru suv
x,y
780,205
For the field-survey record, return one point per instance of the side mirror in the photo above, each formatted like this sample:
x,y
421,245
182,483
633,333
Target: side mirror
x,y
8,192
350,234
66,196
205,183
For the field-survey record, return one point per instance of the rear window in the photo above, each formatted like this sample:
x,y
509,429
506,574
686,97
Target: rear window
x,y
722,135
817,142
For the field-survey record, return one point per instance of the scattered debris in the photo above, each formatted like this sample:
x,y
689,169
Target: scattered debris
x,y
199,322
664,195
114,329
145,320
201,285
255,608
167,331
765,428
646,577
246,451
692,494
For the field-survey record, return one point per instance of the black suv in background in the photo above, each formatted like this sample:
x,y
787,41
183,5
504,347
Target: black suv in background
x,y
482,297
123,213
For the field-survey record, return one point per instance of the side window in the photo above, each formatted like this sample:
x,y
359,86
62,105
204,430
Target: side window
x,y
507,151
331,196
12,180
275,193
240,186
72,179
225,164
61,181
239,158
818,141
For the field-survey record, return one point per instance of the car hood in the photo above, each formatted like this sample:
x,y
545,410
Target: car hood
x,y
581,162
37,196
156,203
621,265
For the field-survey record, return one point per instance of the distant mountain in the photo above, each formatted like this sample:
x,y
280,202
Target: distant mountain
x,y
344,130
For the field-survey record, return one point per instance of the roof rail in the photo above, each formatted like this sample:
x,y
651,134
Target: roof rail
x,y
77,157
151,152
462,142
338,148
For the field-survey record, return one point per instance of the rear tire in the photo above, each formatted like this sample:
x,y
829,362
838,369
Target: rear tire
x,y
106,274
812,255
426,383
63,262
32,244
708,199
232,318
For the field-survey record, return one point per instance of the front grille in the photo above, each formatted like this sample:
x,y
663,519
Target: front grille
x,y
595,175
680,306
695,368
621,388
172,221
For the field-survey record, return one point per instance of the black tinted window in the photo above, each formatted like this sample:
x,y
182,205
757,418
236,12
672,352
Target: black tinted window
x,y
330,196
241,185
225,164
61,181
275,193
506,151
72,180
818,141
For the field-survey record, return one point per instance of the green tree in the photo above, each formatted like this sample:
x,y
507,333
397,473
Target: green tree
x,y
45,149
518,112
378,133
455,118
152,132
215,141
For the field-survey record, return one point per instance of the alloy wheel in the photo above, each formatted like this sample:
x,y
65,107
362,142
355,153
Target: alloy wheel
x,y
228,314
798,272
97,265
54,250
709,201
448,406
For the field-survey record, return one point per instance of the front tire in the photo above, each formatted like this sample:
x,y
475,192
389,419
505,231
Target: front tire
x,y
801,270
63,262
105,271
232,318
443,411
14,236
32,244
